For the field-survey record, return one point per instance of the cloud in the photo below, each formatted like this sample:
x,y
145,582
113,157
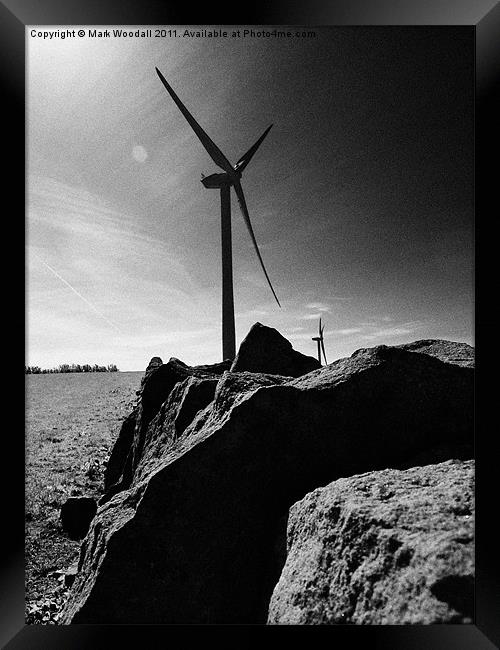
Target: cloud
x,y
388,332
98,245
93,271
300,337
251,313
346,332
319,306
172,337
310,317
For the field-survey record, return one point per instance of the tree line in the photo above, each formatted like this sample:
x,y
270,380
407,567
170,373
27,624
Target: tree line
x,y
70,367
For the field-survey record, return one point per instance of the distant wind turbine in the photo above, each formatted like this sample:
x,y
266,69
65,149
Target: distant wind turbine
x,y
320,342
230,177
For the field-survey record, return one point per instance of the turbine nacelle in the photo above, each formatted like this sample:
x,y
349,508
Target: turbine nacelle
x,y
216,181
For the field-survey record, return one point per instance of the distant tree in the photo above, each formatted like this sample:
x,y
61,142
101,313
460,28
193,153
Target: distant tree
x,y
73,367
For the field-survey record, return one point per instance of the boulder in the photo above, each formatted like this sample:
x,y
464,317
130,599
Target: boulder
x,y
382,548
197,537
155,362
186,400
264,350
155,392
116,462
156,385
201,404
76,515
461,354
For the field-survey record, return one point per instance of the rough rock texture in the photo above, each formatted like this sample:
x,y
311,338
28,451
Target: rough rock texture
x,y
76,515
158,382
461,354
385,547
186,400
201,403
265,350
193,539
155,363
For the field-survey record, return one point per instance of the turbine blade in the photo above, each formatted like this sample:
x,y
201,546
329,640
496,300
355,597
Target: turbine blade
x,y
319,329
241,200
212,149
247,157
324,353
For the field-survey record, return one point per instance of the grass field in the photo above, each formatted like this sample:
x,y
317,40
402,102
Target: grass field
x,y
72,421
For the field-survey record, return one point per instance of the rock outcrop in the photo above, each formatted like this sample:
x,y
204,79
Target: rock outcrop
x,y
121,448
265,350
156,385
217,460
155,363
387,547
462,354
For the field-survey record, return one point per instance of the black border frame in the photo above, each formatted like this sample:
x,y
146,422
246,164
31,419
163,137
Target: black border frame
x,y
481,15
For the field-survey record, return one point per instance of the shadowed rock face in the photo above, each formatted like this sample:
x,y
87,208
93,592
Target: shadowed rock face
x,y
121,448
197,537
382,548
265,350
158,382
155,363
120,451
76,515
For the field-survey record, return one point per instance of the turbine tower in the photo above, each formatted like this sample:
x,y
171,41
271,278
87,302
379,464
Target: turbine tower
x,y
224,182
319,341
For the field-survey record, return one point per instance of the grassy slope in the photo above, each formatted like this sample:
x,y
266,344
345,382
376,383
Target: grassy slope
x,y
72,421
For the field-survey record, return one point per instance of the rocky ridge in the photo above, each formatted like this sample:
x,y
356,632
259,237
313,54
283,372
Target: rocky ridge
x,y
208,465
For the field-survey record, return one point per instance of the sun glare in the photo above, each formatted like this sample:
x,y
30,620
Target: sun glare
x,y
139,153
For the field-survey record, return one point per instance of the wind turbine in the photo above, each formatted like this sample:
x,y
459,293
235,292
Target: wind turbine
x,y
319,341
230,177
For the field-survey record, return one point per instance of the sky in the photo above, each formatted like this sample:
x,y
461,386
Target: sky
x,y
361,196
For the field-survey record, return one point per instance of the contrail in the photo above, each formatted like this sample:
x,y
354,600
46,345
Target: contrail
x,y
82,297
